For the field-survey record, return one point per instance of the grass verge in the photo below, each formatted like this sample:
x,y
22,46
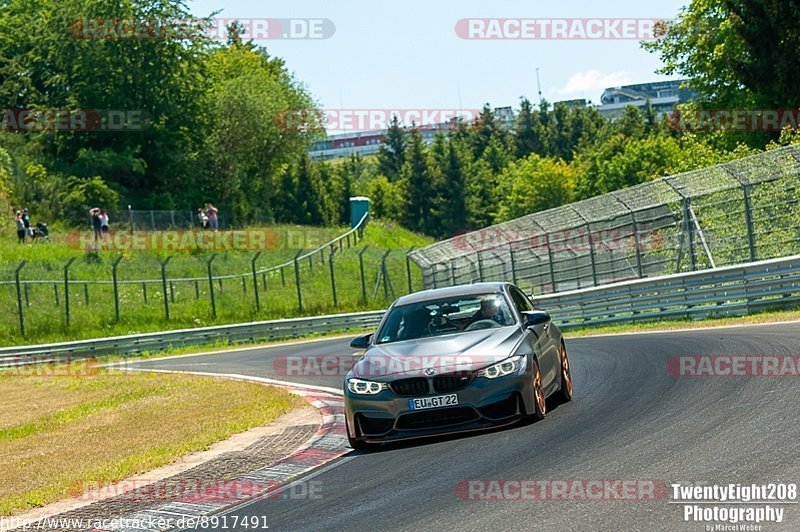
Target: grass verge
x,y
60,430
143,308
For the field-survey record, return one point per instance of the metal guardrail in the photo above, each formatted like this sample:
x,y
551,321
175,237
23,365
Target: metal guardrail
x,y
728,291
159,341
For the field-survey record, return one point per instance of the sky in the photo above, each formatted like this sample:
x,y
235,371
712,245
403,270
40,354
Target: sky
x,y
408,55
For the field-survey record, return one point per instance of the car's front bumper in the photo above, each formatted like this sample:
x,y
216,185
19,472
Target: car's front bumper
x,y
483,404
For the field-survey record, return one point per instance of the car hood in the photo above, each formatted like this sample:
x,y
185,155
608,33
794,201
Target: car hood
x,y
462,352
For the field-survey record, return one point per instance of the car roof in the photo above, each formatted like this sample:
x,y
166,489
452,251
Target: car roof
x,y
452,291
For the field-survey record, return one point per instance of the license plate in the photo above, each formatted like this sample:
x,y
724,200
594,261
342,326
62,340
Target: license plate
x,y
423,403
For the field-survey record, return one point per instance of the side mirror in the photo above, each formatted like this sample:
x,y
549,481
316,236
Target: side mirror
x,y
535,317
361,342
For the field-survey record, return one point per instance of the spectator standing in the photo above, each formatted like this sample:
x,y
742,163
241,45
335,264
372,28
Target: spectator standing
x,y
203,217
104,224
26,221
213,217
96,224
20,227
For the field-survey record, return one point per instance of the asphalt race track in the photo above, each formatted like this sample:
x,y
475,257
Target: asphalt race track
x,y
630,419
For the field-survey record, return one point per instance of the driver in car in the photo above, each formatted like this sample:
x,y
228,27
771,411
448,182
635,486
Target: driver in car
x,y
490,310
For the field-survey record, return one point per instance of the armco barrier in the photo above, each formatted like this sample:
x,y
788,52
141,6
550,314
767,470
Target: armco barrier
x,y
728,291
244,332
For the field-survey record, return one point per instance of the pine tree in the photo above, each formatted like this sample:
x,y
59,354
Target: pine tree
x,y
419,188
308,200
392,155
525,135
453,206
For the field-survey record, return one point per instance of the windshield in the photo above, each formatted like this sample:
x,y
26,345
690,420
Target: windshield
x,y
446,316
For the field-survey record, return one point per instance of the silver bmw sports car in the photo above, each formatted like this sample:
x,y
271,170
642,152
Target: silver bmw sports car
x,y
455,359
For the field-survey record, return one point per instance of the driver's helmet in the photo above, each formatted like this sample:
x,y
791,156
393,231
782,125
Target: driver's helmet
x,y
491,309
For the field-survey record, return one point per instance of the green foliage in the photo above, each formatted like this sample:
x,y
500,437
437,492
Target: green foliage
x,y
737,53
534,184
84,194
212,127
386,198
392,155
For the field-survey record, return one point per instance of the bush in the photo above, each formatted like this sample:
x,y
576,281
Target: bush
x,y
84,194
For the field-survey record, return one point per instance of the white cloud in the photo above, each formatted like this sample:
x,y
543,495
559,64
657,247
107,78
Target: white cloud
x,y
593,81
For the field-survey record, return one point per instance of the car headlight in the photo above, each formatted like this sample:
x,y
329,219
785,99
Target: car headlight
x,y
360,387
503,368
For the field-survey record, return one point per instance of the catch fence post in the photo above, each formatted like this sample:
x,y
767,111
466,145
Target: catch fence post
x,y
66,289
19,298
408,268
255,279
164,285
297,279
211,285
361,270
116,286
333,278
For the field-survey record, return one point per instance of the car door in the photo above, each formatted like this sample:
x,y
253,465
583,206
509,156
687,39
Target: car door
x,y
543,342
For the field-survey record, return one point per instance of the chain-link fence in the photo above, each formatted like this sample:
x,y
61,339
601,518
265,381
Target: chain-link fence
x,y
157,220
732,213
115,292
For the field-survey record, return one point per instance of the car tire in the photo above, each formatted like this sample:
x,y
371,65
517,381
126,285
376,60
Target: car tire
x,y
566,389
539,400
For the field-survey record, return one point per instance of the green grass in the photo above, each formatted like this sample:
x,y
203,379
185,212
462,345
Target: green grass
x,y
44,307
61,433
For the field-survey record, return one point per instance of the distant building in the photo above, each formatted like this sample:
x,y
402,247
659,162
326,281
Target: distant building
x,y
664,96
367,142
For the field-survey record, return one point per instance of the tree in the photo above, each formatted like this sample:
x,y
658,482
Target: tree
x,y
309,202
534,184
621,162
418,187
452,204
526,136
386,198
246,147
736,53
392,154
84,194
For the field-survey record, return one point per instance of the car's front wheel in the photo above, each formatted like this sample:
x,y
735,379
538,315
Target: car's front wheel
x,y
539,402
565,392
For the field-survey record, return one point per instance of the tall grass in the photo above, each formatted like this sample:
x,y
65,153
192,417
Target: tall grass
x,y
91,296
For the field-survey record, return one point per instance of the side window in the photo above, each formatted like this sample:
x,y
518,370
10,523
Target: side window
x,y
520,301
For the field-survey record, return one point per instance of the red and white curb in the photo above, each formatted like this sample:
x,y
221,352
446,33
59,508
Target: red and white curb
x,y
329,443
